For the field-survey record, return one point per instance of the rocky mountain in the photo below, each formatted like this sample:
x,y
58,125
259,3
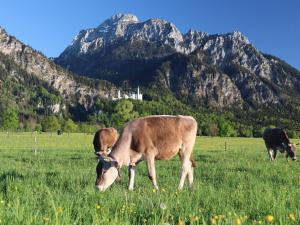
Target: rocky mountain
x,y
29,70
220,70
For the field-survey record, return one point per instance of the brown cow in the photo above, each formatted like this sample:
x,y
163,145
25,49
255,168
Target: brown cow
x,y
150,138
104,139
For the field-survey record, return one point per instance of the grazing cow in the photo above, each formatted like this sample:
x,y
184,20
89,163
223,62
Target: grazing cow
x,y
277,138
104,139
150,138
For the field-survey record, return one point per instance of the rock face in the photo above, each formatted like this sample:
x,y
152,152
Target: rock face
x,y
221,70
73,90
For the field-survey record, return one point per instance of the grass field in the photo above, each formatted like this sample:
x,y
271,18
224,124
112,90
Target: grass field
x,y
55,185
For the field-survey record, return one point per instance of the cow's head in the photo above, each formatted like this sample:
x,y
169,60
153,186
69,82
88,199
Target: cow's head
x,y
291,150
107,172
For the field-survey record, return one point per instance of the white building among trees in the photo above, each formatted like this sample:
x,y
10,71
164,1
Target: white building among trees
x,y
135,96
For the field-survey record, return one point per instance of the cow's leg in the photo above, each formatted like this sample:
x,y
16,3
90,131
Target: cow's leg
x,y
131,173
186,168
275,154
270,153
191,176
132,168
187,163
151,170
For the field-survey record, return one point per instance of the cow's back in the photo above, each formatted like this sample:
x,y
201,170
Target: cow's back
x,y
165,134
274,137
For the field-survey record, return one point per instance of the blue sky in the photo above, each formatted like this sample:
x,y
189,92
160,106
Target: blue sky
x,y
273,26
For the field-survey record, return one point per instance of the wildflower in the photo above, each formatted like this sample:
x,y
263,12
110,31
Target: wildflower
x,y
269,218
194,218
222,217
292,217
154,190
163,206
2,201
259,222
213,221
180,222
45,219
59,210
237,221
216,217
98,206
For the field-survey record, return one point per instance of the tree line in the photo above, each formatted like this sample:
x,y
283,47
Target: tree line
x,y
117,113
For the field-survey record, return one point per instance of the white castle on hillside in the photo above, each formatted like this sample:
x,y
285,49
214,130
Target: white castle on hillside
x,y
135,96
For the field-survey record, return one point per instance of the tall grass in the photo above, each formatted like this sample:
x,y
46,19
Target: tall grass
x,y
55,185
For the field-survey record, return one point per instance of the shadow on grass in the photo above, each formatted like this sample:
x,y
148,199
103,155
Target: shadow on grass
x,y
204,159
10,175
6,179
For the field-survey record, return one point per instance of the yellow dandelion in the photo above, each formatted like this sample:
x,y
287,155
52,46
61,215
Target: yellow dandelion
x,y
269,218
45,219
59,210
292,216
216,217
237,221
180,222
98,206
154,190
259,222
213,221
194,218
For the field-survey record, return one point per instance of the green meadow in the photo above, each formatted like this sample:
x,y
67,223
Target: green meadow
x,y
51,181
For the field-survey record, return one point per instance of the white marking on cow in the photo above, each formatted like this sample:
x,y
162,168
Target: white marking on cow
x,y
131,178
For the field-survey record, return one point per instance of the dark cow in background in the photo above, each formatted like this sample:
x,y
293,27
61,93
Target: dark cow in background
x,y
277,138
104,139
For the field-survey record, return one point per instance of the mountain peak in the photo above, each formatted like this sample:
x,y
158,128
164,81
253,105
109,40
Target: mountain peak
x,y
120,17
237,35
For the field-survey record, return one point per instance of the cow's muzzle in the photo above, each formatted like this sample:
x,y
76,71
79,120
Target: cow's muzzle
x,y
100,188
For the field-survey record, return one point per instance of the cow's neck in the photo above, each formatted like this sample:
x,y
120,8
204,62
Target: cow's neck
x,y
121,156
